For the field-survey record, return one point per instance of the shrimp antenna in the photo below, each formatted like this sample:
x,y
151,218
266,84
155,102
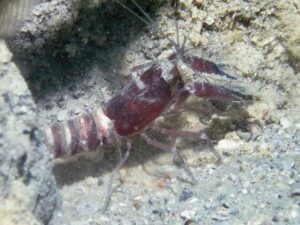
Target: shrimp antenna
x,y
176,24
180,49
134,13
150,20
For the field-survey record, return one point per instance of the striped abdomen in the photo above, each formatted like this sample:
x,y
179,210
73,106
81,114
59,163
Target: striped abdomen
x,y
80,134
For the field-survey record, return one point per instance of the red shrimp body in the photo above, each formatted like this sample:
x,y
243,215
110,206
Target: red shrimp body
x,y
128,112
131,110
143,100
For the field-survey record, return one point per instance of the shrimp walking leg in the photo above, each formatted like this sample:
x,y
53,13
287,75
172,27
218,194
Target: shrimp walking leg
x,y
190,135
170,149
115,171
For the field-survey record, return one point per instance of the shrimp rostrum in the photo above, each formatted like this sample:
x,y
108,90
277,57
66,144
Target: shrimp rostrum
x,y
155,90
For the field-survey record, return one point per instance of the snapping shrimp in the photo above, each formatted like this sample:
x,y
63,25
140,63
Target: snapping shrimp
x,y
155,90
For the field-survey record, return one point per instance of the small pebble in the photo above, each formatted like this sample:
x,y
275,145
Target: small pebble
x,y
245,191
255,131
285,122
22,109
244,135
275,219
220,217
82,207
138,202
185,194
189,222
199,2
188,214
209,21
123,172
76,111
100,182
208,205
60,117
234,212
295,192
232,177
229,145
193,200
77,94
162,182
49,106
293,214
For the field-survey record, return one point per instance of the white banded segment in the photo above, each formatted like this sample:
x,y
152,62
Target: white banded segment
x,y
81,134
